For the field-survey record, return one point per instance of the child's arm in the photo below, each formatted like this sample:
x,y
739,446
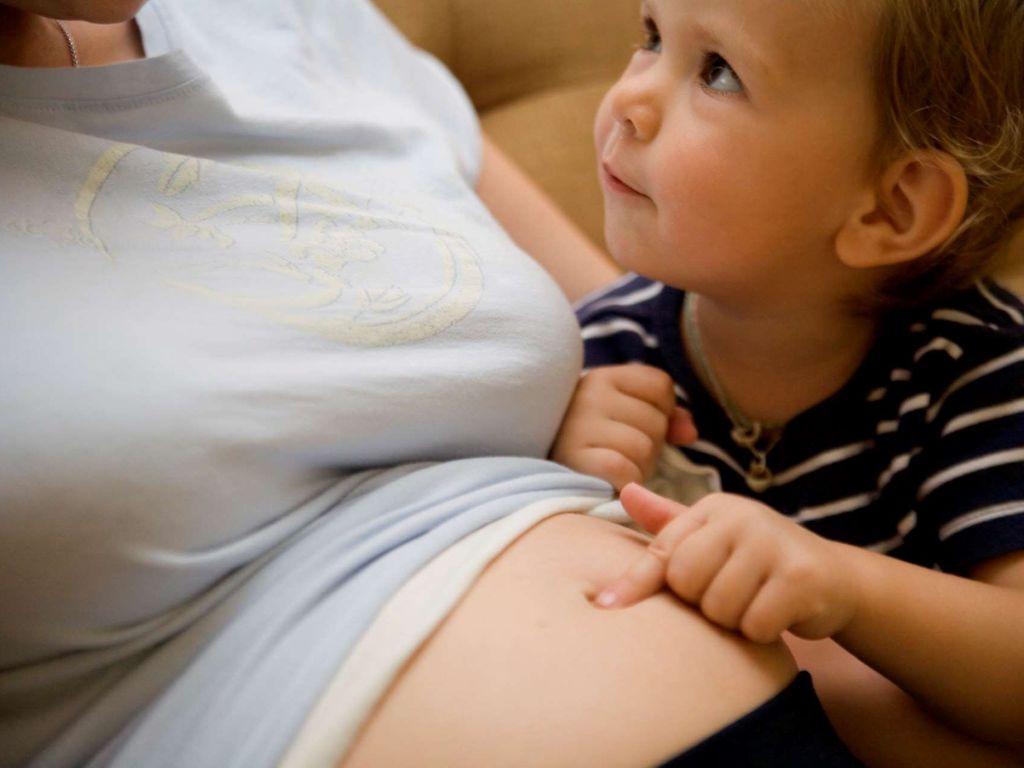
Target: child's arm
x,y
952,643
880,723
617,422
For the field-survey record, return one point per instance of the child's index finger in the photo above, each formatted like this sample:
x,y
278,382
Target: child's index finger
x,y
648,573
643,579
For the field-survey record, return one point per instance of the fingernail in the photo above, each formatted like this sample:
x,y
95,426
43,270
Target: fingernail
x,y
607,599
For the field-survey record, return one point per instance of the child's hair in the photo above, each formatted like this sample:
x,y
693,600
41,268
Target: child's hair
x,y
951,77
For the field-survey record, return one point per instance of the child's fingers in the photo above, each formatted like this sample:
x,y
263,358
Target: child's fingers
x,y
647,574
640,414
697,559
773,610
634,444
734,588
608,464
646,383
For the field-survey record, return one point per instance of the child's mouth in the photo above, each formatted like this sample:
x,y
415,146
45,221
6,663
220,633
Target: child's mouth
x,y
614,183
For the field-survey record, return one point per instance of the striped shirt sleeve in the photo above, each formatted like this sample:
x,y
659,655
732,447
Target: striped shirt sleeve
x,y
617,324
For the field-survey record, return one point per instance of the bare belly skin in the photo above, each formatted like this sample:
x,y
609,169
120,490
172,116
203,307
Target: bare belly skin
x,y
527,671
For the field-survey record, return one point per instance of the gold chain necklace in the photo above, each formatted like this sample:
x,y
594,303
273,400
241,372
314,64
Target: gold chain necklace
x,y
756,436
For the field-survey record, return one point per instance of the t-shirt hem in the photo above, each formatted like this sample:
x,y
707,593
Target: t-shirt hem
x,y
404,624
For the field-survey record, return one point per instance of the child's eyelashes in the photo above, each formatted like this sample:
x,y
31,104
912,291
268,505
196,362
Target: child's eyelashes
x,y
716,76
652,37
718,71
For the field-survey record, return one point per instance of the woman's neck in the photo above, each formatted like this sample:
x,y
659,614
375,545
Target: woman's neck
x,y
30,40
776,363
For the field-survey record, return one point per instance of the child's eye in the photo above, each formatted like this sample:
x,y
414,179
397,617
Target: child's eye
x,y
652,37
719,76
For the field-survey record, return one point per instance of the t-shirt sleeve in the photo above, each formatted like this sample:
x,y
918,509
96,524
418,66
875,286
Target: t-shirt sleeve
x,y
971,498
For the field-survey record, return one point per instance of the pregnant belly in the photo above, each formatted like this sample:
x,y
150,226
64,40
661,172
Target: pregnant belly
x,y
527,671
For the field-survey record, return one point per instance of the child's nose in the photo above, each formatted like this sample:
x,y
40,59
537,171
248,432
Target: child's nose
x,y
635,110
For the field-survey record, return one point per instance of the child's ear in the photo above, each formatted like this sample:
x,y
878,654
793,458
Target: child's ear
x,y
919,202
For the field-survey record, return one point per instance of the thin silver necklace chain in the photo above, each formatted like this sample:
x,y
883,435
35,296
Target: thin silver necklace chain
x,y
72,48
756,436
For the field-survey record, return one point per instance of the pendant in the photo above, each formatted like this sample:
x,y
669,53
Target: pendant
x,y
746,436
759,477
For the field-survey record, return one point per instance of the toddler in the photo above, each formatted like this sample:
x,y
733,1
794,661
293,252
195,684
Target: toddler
x,y
809,196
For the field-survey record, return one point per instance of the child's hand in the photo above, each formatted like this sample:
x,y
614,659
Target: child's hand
x,y
619,419
746,566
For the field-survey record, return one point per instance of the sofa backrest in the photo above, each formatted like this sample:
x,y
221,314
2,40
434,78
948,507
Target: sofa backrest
x,y
503,50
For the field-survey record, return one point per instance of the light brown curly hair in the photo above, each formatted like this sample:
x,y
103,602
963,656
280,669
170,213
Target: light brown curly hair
x,y
950,77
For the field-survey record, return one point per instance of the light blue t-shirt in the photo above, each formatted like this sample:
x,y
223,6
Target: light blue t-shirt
x,y
248,300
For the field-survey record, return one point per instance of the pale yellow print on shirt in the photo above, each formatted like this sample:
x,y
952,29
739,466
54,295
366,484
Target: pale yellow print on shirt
x,y
90,191
290,248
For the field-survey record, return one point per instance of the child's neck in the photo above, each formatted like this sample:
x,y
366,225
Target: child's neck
x,y
777,363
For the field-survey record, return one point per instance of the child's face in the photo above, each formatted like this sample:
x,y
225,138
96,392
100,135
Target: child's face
x,y
745,130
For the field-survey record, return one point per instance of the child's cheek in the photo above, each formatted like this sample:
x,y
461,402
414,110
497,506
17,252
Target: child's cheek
x,y
698,191
601,126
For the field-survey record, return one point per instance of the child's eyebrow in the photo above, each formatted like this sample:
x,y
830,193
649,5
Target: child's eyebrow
x,y
753,55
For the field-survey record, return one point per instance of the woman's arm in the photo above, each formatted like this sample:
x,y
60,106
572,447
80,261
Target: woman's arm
x,y
540,228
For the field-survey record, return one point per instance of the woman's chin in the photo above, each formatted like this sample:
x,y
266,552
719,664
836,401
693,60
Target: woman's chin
x,y
113,11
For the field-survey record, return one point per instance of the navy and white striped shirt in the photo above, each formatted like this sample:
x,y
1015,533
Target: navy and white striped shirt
x,y
921,453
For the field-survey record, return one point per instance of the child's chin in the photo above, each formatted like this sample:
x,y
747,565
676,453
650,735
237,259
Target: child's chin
x,y
629,261
625,250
